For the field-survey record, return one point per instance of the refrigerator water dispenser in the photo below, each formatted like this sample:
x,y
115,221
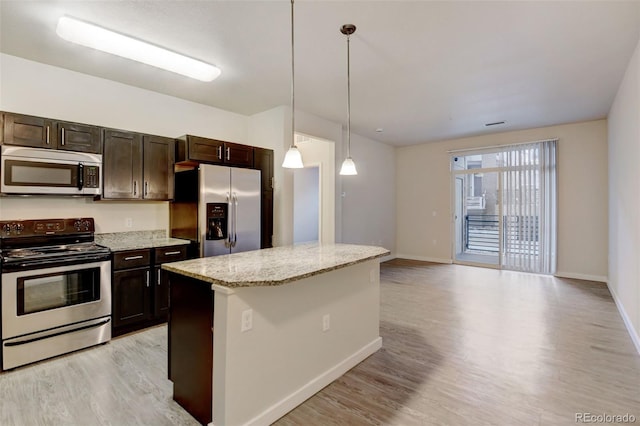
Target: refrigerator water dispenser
x,y
217,221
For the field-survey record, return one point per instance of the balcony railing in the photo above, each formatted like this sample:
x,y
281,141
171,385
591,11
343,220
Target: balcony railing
x,y
520,233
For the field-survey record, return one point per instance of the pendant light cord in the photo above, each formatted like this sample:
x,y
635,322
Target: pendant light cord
x,y
293,85
348,99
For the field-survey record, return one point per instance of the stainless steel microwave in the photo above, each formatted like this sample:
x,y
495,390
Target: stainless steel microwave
x,y
49,172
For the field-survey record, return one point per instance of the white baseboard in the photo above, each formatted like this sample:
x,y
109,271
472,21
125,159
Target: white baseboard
x,y
635,336
290,402
422,258
586,277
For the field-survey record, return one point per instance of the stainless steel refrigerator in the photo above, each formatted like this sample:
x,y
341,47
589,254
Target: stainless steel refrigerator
x,y
218,209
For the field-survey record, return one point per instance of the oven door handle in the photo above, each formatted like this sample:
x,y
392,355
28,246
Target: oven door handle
x,y
35,339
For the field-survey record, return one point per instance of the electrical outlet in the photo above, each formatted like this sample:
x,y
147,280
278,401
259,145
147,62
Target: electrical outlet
x,y
247,320
326,322
128,222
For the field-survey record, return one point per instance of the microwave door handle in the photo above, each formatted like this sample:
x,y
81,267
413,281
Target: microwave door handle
x,y
80,175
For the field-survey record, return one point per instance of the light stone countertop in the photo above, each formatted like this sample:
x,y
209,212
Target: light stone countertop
x,y
120,241
274,266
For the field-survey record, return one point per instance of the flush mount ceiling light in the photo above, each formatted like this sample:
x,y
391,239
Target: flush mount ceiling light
x,y
99,38
293,158
348,166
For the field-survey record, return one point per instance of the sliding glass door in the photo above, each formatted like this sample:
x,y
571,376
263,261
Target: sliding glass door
x,y
505,207
478,218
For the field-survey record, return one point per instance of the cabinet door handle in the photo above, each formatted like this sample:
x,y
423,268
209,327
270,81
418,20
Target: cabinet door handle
x,y
220,152
135,187
272,182
147,278
158,276
171,253
48,134
133,257
146,189
228,153
62,133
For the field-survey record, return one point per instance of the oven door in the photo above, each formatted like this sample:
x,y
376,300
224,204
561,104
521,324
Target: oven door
x,y
40,171
44,299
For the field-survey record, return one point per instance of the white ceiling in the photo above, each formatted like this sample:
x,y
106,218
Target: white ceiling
x,y
421,70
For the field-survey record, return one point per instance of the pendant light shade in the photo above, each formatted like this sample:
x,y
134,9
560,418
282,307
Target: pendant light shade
x,y
293,158
348,166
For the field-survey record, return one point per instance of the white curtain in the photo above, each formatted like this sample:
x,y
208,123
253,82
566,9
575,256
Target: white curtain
x,y
529,207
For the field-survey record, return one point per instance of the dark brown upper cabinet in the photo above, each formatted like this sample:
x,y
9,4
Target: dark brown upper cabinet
x,y
137,167
38,132
158,167
195,149
79,137
25,130
238,155
122,165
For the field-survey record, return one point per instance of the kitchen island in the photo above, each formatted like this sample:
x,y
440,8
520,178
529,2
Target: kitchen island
x,y
254,334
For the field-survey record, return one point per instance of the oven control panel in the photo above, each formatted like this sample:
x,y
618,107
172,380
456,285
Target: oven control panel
x,y
25,228
12,227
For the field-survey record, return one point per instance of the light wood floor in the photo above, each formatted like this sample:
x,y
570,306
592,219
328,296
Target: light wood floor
x,y
461,346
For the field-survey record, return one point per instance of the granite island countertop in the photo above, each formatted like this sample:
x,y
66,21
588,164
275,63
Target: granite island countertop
x,y
274,266
120,241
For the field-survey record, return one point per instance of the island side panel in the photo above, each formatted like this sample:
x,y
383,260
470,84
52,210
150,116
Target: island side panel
x,y
287,357
191,345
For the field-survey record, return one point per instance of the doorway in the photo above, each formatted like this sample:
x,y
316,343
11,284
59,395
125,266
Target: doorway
x,y
314,198
478,219
504,207
306,204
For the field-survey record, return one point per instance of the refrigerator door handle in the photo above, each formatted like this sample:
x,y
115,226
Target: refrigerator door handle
x,y
235,219
227,242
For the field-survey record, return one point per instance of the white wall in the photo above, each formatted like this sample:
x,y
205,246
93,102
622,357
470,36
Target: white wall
x,y
624,198
368,204
306,204
424,196
32,88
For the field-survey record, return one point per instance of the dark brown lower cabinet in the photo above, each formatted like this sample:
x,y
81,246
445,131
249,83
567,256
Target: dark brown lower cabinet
x,y
140,288
161,294
130,297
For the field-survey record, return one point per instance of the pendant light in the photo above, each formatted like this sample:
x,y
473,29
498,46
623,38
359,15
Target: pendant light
x,y
293,158
348,166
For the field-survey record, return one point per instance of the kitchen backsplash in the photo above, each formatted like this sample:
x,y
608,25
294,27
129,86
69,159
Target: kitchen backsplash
x,y
110,216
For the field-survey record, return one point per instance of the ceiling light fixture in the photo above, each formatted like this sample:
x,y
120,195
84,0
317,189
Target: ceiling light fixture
x,y
99,38
348,166
293,158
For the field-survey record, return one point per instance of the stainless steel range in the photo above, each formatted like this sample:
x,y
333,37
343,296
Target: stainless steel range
x,y
56,289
